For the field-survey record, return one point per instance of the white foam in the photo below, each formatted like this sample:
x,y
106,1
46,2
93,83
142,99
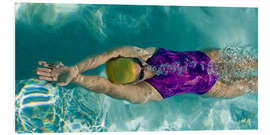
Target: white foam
x,y
49,14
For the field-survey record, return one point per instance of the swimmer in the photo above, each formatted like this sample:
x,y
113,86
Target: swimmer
x,y
131,78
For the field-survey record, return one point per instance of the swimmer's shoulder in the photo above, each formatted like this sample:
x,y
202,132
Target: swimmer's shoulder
x,y
155,95
150,51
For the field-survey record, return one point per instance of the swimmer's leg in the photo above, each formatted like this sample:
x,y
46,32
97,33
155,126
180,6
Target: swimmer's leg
x,y
238,88
229,85
243,64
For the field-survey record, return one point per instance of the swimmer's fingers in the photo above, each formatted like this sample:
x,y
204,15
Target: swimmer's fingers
x,y
49,80
43,73
44,63
45,78
51,65
48,70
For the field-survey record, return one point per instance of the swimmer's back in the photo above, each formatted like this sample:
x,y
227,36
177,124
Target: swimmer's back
x,y
177,73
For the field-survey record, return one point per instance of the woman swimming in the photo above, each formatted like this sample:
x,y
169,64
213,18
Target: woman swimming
x,y
152,74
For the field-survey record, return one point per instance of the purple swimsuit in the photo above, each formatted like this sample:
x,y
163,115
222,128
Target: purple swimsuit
x,y
181,72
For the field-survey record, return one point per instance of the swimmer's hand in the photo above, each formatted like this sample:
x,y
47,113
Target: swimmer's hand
x,y
56,72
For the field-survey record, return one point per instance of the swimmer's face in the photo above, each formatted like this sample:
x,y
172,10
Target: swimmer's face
x,y
142,72
138,70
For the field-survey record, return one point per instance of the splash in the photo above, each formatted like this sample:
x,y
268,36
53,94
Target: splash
x,y
238,64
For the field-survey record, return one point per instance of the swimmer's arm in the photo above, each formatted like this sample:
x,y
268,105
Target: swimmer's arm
x,y
137,94
125,51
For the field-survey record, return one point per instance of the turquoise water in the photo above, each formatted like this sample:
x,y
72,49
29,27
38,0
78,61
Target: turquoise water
x,y
71,32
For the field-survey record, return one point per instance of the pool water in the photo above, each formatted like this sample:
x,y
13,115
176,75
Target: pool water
x,y
71,32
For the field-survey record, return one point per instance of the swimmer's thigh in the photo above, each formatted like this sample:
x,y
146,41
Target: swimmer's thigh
x,y
223,90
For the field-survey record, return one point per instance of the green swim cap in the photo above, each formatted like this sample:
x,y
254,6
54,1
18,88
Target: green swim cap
x,y
121,70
